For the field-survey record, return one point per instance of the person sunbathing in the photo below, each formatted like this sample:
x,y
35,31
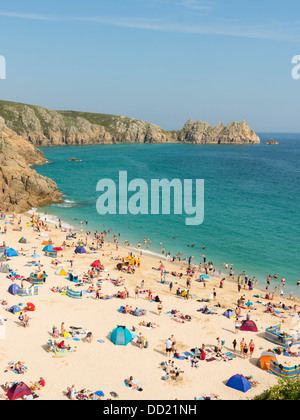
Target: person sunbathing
x,y
88,338
195,362
131,384
20,368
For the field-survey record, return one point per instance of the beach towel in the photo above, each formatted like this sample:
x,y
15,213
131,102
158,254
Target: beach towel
x,y
212,359
179,358
188,354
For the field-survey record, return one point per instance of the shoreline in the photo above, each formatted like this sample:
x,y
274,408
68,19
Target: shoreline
x,y
54,220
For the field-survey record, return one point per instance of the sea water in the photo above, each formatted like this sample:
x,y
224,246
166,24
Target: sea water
x,y
251,201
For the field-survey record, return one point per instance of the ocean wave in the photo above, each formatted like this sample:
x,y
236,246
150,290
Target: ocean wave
x,y
50,218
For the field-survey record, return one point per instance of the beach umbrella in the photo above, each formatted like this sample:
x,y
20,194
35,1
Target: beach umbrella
x,y
46,243
57,249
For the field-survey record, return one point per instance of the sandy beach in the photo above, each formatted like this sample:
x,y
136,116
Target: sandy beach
x,y
101,365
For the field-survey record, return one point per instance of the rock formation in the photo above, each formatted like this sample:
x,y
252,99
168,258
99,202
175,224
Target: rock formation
x,y
271,142
44,127
21,188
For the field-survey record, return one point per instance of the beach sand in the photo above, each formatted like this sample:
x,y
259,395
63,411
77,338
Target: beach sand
x,y
104,366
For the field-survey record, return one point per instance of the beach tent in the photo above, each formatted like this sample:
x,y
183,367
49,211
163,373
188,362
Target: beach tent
x,y
23,240
230,314
61,272
14,289
2,258
249,326
264,362
80,250
96,264
99,394
48,248
15,310
45,243
5,269
239,382
11,253
121,336
18,391
58,249
30,307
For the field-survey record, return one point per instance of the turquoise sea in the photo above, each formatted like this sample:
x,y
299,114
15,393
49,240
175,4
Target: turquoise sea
x,y
251,200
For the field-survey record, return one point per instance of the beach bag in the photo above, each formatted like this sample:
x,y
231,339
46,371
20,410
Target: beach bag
x,y
146,345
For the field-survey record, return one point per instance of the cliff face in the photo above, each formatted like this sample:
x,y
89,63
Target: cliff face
x,y
202,133
21,188
44,127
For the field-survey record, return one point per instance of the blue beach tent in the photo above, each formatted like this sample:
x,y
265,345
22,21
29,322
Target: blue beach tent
x,y
14,289
11,253
80,250
121,336
48,248
15,310
239,382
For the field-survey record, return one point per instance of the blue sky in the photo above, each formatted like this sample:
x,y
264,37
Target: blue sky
x,y
163,61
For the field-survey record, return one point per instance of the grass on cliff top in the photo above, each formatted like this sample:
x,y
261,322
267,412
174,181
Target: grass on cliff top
x,y
7,111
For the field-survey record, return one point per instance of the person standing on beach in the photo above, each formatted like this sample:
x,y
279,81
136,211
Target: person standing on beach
x,y
234,344
169,345
171,286
237,326
242,345
251,347
160,307
136,292
246,351
174,347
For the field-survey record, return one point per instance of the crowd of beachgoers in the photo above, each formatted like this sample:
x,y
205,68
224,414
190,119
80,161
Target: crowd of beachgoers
x,y
84,315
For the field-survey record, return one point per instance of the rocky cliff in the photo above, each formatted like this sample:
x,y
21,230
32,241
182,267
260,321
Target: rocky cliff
x,y
44,127
21,188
